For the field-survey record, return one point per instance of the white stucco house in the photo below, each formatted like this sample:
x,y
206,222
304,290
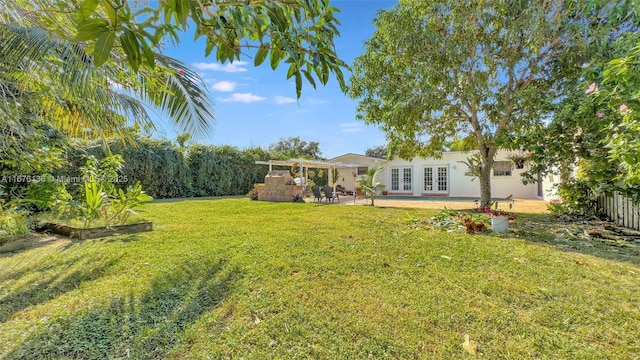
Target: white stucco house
x,y
445,176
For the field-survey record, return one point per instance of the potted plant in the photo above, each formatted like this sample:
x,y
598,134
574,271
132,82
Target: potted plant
x,y
499,218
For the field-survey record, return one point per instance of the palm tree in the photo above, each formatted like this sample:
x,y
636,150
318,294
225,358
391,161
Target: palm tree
x,y
60,81
370,183
50,86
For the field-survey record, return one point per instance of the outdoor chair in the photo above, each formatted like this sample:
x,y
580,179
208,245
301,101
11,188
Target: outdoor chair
x,y
316,193
329,195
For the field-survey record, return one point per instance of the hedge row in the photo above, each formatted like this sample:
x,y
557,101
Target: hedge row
x,y
168,171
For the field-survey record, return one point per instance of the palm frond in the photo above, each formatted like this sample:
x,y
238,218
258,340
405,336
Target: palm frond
x,y
185,100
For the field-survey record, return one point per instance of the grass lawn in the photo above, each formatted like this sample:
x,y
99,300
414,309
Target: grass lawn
x,y
232,278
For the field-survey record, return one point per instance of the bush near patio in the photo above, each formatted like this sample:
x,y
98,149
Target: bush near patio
x,y
293,281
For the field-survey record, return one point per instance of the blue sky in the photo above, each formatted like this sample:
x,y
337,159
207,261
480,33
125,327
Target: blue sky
x,y
256,106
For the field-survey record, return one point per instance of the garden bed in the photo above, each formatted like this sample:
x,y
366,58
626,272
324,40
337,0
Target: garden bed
x,y
95,232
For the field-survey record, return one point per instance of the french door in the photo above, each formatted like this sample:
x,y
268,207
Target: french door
x,y
402,179
436,180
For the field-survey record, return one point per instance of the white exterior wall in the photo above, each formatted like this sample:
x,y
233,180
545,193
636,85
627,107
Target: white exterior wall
x,y
459,185
346,176
549,186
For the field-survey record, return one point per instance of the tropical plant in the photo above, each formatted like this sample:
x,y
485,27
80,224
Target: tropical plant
x,y
125,204
49,83
335,176
492,209
94,201
437,69
595,129
100,198
98,185
90,67
319,177
297,32
371,184
474,167
53,79
13,222
29,150
45,192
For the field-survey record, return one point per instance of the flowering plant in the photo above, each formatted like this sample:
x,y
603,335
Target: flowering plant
x,y
496,212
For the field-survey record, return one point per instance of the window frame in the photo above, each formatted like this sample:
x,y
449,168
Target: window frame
x,y
502,171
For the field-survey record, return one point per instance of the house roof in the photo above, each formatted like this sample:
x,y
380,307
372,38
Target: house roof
x,y
357,155
308,163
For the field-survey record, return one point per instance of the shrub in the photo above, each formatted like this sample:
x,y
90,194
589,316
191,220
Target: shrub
x,y
578,197
166,171
13,222
253,193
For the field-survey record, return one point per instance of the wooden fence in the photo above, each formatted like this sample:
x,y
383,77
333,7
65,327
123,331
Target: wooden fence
x,y
620,209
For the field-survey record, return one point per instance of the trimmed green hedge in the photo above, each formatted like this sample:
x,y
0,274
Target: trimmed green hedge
x,y
168,171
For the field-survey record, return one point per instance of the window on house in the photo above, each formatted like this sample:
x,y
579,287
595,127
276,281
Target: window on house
x,y
502,168
362,170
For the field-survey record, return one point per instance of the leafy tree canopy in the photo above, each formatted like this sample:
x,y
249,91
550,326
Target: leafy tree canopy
x,y
379,151
91,67
293,147
489,69
298,32
459,143
597,127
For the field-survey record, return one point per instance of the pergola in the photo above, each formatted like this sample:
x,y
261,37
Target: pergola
x,y
306,163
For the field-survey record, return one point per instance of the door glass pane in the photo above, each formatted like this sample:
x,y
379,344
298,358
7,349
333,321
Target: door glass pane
x,y
428,179
395,179
406,179
442,178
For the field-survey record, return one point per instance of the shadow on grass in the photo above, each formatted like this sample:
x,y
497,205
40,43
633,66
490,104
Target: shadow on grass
x,y
141,326
33,241
544,229
45,287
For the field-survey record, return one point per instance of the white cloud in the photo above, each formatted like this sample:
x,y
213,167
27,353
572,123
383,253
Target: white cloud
x,y
351,127
243,97
280,100
228,67
224,85
316,101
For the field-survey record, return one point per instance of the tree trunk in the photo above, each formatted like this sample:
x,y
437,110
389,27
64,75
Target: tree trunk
x,y
485,183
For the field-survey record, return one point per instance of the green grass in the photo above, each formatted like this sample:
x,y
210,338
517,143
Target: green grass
x,y
233,278
94,223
